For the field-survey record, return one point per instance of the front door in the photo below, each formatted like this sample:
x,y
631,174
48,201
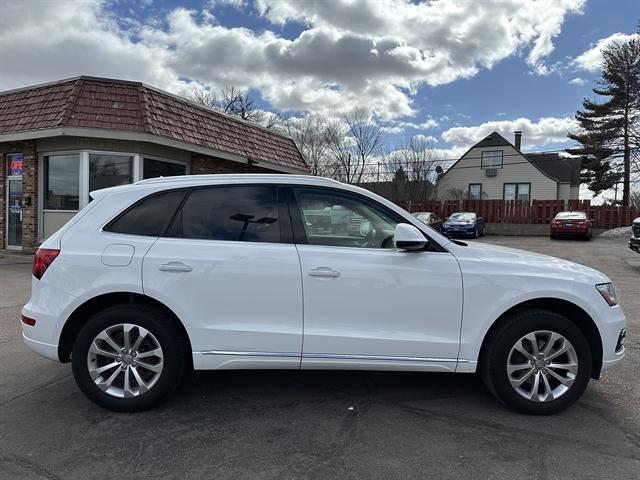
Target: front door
x,y
365,302
14,213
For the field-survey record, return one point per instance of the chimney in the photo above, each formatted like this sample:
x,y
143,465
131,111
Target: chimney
x,y
518,139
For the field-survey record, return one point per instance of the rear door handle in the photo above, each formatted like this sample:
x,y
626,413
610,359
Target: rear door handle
x,y
175,267
324,272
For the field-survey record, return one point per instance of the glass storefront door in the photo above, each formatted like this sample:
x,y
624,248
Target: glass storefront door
x,y
14,212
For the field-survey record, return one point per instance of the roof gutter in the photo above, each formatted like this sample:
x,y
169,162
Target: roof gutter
x,y
142,137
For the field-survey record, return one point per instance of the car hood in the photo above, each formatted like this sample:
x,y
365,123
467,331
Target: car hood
x,y
534,263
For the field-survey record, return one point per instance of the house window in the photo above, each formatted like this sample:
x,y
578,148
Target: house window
x,y
491,159
109,170
475,191
158,168
62,182
517,191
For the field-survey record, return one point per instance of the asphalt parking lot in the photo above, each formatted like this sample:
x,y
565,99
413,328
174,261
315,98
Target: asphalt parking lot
x,y
253,425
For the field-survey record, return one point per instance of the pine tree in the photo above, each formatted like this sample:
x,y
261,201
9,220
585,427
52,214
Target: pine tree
x,y
609,132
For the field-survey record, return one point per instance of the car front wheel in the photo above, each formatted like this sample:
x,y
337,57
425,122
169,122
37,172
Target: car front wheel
x,y
128,358
537,362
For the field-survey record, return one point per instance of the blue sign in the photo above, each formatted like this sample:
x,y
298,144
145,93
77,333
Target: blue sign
x,y
15,164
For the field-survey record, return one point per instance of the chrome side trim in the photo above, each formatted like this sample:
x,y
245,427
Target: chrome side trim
x,y
334,356
250,354
384,358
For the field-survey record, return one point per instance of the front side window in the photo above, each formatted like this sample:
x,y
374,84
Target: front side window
x,y
492,159
517,191
150,216
242,213
109,170
61,182
158,168
333,219
475,191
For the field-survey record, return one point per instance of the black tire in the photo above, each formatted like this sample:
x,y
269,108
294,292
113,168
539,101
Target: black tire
x,y
552,236
168,335
476,233
495,357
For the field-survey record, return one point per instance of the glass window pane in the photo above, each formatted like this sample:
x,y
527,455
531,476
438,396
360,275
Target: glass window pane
x,y
509,191
239,213
344,221
148,217
523,191
109,170
475,191
157,168
491,159
62,182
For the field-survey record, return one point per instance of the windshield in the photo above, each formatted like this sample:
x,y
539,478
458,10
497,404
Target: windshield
x,y
571,215
463,217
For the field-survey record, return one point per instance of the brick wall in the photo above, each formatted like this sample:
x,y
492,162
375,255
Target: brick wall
x,y
29,189
3,195
201,164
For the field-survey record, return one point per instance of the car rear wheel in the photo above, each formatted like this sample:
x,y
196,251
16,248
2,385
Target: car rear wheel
x,y
537,362
128,358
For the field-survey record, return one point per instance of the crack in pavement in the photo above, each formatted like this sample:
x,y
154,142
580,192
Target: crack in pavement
x,y
27,465
34,390
517,432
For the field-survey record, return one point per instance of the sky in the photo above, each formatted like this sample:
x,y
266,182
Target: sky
x,y
453,70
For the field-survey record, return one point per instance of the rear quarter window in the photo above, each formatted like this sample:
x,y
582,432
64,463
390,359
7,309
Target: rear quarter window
x,y
149,216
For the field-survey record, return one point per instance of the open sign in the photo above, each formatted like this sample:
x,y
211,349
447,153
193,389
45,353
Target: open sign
x,y
15,164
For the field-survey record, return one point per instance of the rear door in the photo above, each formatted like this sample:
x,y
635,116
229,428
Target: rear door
x,y
228,268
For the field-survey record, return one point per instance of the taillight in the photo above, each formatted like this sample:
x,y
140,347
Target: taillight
x,y
28,321
44,257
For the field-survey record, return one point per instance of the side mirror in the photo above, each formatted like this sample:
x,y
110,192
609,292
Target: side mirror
x,y
407,237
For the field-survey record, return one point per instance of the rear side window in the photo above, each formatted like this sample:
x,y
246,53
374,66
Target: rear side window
x,y
243,213
148,217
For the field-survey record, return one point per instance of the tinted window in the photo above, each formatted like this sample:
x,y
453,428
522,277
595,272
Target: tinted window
x,y
463,217
109,170
61,182
148,217
339,220
235,213
158,168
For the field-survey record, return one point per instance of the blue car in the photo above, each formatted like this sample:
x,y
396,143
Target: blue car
x,y
464,224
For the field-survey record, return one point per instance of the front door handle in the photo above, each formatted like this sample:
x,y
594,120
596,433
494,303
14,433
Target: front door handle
x,y
175,267
324,272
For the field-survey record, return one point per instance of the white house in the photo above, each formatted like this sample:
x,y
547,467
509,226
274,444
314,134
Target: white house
x,y
494,169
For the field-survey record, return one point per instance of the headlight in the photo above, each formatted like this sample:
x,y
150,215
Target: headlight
x,y
608,293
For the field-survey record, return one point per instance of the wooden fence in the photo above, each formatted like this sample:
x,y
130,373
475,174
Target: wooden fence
x,y
527,211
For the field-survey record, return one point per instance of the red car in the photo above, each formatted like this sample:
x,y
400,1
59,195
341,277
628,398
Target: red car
x,y
574,224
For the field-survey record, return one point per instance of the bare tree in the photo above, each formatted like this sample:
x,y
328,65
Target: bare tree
x,y
231,100
239,102
206,97
417,160
354,142
310,135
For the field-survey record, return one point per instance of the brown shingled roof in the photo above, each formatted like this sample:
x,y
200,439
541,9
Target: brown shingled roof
x,y
134,107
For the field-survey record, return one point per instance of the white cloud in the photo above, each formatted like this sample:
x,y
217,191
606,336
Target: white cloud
x,y
577,81
372,53
534,134
591,60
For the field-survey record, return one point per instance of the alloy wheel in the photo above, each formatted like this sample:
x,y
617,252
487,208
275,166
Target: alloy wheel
x,y
542,366
125,360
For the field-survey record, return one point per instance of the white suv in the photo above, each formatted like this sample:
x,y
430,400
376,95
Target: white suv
x,y
299,272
